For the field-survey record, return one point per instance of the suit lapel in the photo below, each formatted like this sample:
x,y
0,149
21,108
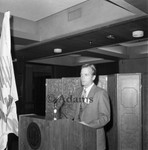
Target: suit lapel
x,y
92,91
90,95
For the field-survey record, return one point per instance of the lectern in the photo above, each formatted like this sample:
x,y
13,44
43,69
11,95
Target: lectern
x,y
38,133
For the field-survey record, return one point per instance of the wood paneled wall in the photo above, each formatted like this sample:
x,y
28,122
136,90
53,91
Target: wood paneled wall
x,y
135,65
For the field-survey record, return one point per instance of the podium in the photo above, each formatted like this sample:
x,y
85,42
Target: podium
x,y
38,133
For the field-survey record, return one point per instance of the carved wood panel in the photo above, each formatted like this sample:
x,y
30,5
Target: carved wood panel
x,y
103,82
53,91
124,129
129,111
60,91
69,87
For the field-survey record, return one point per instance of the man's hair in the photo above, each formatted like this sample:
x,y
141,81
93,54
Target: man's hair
x,y
93,68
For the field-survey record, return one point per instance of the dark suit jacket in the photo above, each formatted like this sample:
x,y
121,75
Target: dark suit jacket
x,y
96,113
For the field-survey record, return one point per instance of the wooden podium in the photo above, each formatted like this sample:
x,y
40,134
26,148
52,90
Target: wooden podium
x,y
37,133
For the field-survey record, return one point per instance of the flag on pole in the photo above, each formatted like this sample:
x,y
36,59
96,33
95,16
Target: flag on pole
x,y
8,90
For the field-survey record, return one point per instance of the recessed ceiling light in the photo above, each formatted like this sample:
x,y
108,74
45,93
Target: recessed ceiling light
x,y
138,33
90,42
110,36
57,50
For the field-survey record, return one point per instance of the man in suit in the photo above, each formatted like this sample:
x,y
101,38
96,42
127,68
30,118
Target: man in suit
x,y
94,108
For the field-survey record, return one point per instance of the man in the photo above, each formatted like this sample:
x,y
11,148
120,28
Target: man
x,y
94,111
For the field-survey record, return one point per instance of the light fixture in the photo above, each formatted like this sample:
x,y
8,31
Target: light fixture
x,y
110,36
138,33
57,50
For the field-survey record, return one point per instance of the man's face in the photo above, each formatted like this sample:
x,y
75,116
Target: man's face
x,y
87,77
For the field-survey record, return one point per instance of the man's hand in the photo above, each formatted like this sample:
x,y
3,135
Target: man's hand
x,y
84,123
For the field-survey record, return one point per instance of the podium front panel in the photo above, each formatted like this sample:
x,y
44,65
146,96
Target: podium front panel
x,y
32,133
36,133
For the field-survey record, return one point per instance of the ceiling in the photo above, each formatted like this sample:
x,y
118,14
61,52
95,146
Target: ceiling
x,y
36,9
98,43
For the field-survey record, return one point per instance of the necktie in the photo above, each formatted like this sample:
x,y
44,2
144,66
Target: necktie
x,y
84,93
83,96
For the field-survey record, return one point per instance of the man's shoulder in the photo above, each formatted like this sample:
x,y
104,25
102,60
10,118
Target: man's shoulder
x,y
99,89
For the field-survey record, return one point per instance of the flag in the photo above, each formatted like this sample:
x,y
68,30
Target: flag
x,y
8,90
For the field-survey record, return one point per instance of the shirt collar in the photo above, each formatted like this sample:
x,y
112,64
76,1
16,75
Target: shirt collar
x,y
88,89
